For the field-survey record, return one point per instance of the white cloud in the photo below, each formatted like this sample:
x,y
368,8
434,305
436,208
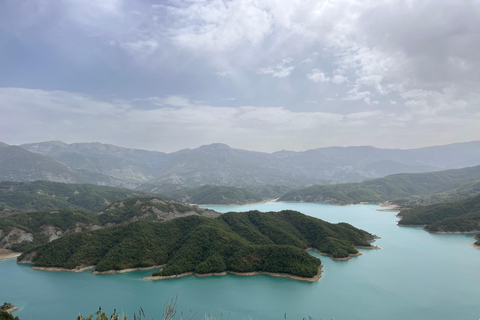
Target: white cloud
x,y
219,25
415,60
318,76
355,95
178,123
281,70
339,79
147,46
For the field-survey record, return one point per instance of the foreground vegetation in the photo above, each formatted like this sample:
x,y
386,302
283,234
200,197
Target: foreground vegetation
x,y
455,216
240,242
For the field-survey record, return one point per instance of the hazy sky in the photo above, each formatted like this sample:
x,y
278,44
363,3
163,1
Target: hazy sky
x,y
259,75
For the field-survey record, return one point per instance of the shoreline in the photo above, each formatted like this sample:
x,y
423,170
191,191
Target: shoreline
x,y
452,232
410,225
473,245
76,269
350,255
282,275
8,254
128,270
12,309
390,210
243,274
85,268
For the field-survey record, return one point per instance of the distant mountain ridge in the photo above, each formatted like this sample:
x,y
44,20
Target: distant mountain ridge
x,y
18,164
218,164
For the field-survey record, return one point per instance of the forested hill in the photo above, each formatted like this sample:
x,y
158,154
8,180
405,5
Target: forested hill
x,y
210,194
432,186
29,229
456,216
46,195
241,242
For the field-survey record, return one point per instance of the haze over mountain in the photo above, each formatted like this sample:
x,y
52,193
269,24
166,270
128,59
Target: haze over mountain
x,y
18,164
218,164
406,189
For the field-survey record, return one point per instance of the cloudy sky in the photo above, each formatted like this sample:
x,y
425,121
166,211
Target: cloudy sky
x,y
260,75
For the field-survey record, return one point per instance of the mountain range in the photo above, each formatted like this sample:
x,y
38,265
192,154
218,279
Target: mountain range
x,y
218,164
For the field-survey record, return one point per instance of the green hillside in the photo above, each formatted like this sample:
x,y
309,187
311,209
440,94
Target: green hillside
x,y
210,194
242,242
456,216
426,187
46,195
40,227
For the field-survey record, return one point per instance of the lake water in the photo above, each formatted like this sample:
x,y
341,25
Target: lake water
x,y
416,275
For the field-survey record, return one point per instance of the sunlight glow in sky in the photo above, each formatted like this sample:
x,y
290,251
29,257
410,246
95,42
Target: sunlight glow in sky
x,y
261,75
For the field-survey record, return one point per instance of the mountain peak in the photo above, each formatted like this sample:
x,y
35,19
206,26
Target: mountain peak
x,y
215,146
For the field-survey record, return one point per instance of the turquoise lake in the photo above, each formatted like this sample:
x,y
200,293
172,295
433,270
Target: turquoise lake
x,y
416,275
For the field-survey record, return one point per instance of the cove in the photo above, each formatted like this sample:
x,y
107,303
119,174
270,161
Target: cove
x,y
416,275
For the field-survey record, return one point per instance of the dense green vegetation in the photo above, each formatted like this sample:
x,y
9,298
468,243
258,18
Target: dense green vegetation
x,y
210,194
456,216
42,223
45,195
427,187
242,242
7,316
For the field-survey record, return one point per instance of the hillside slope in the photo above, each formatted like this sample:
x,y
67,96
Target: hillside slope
x,y
455,216
28,229
46,195
18,164
443,184
215,195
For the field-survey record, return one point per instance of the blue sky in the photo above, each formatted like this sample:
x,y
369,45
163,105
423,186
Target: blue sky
x,y
258,75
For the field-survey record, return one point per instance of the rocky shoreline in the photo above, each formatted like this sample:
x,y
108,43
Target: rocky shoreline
x,y
76,269
128,270
390,210
282,275
453,232
85,268
244,274
8,254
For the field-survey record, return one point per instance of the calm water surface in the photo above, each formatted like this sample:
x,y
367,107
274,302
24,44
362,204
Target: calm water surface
x,y
416,275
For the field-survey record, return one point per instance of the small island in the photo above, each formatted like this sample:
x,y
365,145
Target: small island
x,y
248,243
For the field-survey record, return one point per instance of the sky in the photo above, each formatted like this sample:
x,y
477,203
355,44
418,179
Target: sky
x,y
263,75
